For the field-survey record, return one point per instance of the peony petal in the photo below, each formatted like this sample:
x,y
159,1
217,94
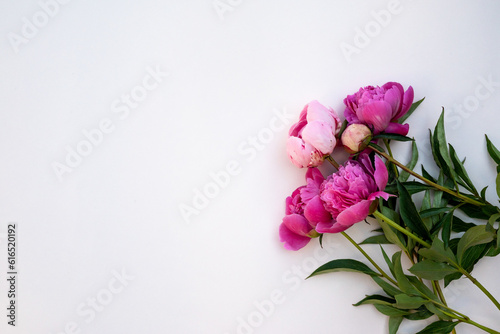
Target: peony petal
x,y
319,135
381,175
315,175
298,151
354,214
378,114
378,194
296,129
298,224
315,211
292,241
400,129
407,101
318,112
331,227
393,96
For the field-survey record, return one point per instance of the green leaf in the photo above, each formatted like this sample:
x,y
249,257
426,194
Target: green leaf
x,y
406,302
410,214
404,175
423,289
474,236
437,311
431,270
387,260
470,258
440,148
376,239
390,311
447,223
394,323
438,252
413,187
439,327
421,313
498,185
483,193
388,288
460,226
343,265
427,175
433,212
460,170
403,282
392,136
410,111
492,150
375,299
376,147
390,233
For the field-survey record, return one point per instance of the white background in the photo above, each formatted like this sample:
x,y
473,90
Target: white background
x,y
229,75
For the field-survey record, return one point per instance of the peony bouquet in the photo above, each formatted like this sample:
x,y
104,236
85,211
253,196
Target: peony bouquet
x,y
421,214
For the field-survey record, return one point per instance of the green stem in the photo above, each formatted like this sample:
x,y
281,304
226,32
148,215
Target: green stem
x,y
382,272
484,328
332,161
429,182
480,286
386,142
379,215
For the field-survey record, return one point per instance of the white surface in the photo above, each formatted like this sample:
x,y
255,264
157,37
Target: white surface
x,y
119,208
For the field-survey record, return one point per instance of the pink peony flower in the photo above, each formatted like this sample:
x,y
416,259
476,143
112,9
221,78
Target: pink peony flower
x,y
349,193
313,136
380,107
303,210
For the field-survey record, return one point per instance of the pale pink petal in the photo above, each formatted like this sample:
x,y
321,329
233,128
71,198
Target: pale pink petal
x,y
320,135
298,151
318,112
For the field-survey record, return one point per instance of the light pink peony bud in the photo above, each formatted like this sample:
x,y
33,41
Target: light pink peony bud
x,y
356,137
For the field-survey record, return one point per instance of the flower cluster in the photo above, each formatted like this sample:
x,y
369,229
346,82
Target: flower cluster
x,y
349,195
371,183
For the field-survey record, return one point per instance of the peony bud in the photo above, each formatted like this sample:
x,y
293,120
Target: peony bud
x,y
356,137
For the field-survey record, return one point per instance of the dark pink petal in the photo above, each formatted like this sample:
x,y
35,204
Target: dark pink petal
x,y
315,211
331,227
297,224
378,194
378,114
381,175
407,101
292,241
354,214
393,96
400,129
315,175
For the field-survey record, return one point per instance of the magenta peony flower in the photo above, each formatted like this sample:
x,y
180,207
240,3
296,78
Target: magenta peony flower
x,y
303,210
313,136
349,193
380,107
